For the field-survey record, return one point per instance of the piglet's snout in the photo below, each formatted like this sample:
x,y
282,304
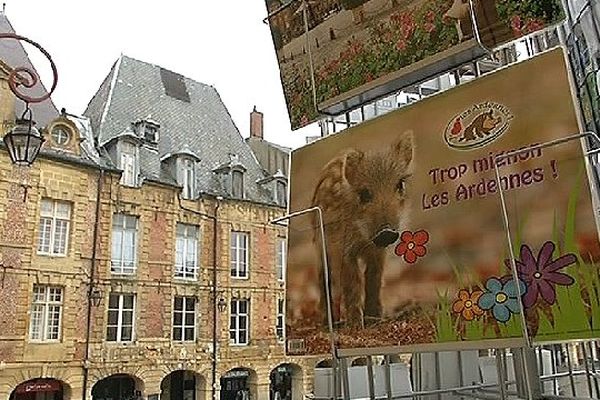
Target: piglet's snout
x,y
385,237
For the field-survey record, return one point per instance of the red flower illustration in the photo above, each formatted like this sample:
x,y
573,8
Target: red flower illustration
x,y
412,245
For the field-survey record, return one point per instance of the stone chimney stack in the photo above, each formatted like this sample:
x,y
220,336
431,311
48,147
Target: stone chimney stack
x,y
256,124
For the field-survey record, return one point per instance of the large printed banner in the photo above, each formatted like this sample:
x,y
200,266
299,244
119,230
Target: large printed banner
x,y
416,243
361,50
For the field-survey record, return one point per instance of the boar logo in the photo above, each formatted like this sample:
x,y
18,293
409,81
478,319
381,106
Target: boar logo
x,y
478,126
363,195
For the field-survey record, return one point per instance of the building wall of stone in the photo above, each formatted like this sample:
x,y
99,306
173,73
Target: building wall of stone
x,y
21,267
152,355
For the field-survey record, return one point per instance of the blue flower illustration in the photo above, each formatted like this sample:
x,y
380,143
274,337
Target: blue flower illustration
x,y
502,299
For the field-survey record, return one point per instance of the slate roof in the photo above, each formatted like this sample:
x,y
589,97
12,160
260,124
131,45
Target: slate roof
x,y
134,90
14,55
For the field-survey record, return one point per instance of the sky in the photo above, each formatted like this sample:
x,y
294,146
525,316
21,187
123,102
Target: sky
x,y
222,43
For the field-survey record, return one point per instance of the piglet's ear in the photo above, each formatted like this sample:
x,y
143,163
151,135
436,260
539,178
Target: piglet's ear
x,y
403,149
351,168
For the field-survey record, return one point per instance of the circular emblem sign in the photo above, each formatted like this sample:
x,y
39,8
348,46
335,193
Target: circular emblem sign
x,y
478,126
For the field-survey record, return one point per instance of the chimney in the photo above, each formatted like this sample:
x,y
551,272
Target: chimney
x,y
256,124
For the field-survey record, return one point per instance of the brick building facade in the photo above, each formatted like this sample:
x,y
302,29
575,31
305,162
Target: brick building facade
x,y
110,242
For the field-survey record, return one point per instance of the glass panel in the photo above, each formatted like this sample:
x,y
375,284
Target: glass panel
x,y
237,182
55,294
46,208
113,317
189,319
117,245
63,210
179,256
177,334
118,220
111,333
130,222
189,333
37,313
126,334
190,304
44,235
39,293
178,303
177,318
128,301
127,318
61,229
113,301
53,325
128,246
243,306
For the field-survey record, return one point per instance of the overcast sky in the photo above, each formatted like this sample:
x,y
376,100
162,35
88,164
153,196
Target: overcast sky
x,y
221,43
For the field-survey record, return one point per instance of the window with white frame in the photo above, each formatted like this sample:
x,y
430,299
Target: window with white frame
x,y
280,327
188,178
186,255
124,241
54,227
280,262
128,164
46,313
239,322
121,310
184,319
237,184
239,255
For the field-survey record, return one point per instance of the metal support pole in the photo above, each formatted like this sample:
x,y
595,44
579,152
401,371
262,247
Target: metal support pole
x,y
388,377
501,373
593,368
438,377
344,379
334,357
570,368
371,378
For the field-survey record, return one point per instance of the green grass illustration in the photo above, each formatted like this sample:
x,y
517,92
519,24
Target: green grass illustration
x,y
576,313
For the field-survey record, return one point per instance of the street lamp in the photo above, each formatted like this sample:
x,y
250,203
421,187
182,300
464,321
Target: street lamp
x,y
222,305
96,297
24,141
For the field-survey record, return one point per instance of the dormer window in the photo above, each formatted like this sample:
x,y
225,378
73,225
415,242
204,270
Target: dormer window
x,y
61,135
147,130
237,184
151,133
128,163
231,175
281,193
188,178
